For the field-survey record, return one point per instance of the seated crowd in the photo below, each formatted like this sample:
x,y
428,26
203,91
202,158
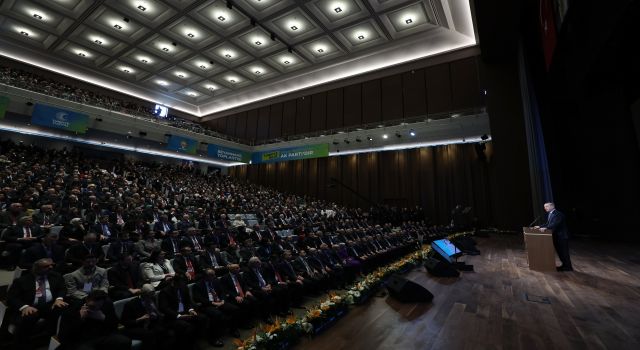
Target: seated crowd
x,y
33,82
176,244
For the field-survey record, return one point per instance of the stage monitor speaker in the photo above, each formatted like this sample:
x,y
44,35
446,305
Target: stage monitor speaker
x,y
407,291
440,268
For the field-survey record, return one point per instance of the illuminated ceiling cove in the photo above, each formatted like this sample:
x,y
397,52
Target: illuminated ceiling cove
x,y
207,56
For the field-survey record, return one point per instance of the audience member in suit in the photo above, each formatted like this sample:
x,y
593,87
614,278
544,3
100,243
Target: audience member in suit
x,y
238,293
92,325
288,272
209,296
313,279
143,321
557,223
293,289
107,232
118,247
72,233
87,278
11,216
164,226
175,303
36,296
171,244
88,246
144,247
192,240
124,278
186,264
21,236
157,270
46,218
48,248
272,297
211,258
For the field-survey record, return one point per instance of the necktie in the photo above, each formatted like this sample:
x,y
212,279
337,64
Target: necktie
x,y
213,296
180,303
275,271
42,290
27,232
214,262
46,220
189,265
238,287
306,266
105,230
261,280
195,243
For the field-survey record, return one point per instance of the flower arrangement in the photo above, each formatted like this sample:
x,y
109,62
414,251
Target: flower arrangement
x,y
285,333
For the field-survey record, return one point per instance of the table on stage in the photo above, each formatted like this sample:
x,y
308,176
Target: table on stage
x,y
540,251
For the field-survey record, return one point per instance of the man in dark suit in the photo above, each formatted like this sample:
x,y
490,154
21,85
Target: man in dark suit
x,y
124,278
211,258
46,217
48,248
171,244
107,232
238,293
36,296
88,246
21,236
186,264
209,296
93,325
557,223
143,320
164,226
175,304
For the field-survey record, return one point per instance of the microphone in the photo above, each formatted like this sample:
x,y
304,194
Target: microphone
x,y
534,221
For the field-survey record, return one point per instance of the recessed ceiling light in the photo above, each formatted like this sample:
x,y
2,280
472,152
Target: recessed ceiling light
x,y
286,62
258,72
320,50
211,87
232,80
162,82
24,33
190,35
142,8
337,9
385,136
258,42
221,18
117,26
360,37
37,16
126,71
294,28
408,21
203,66
180,75
192,94
144,61
82,54
165,49
98,42
227,55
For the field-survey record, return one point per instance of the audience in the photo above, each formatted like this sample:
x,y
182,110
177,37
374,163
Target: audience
x,y
249,251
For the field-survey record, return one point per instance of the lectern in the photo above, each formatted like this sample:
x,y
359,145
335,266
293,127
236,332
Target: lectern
x,y
540,252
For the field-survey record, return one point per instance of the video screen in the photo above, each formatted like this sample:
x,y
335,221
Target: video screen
x,y
445,248
161,111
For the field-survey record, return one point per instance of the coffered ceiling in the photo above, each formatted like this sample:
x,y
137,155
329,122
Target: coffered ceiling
x,y
207,56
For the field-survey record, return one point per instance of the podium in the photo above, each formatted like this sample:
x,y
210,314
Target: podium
x,y
540,251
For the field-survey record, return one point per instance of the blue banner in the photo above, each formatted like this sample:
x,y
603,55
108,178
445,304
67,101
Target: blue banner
x,y
293,153
182,144
224,153
54,117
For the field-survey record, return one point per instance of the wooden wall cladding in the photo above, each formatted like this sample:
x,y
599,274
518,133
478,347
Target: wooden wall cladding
x,y
438,89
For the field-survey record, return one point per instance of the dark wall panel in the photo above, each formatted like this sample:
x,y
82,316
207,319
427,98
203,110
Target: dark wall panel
x,y
252,124
353,105
465,90
303,115
438,88
335,109
289,118
414,93
241,126
371,106
231,125
391,92
263,124
318,111
275,121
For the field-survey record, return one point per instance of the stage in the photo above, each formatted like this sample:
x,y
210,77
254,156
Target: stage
x,y
504,305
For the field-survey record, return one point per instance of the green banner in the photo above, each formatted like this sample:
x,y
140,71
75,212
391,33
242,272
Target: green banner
x,y
4,104
293,153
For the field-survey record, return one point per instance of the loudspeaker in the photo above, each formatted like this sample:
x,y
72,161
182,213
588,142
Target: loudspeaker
x,y
439,268
407,291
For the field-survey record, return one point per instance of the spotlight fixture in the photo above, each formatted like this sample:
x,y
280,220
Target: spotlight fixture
x,y
294,28
369,138
37,16
385,136
210,62
258,42
82,54
24,33
412,133
360,37
221,18
117,26
408,21
98,42
180,75
202,66
337,10
232,81
165,49
320,50
286,62
142,8
258,72
126,70
144,61
290,49
190,35
227,55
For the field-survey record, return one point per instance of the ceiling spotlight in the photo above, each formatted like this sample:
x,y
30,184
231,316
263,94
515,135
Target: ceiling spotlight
x,y
258,42
144,61
126,70
165,49
192,94
117,26
232,81
227,55
82,54
203,66
337,9
24,33
321,50
408,21
37,16
211,87
286,62
258,72
163,83
369,138
385,136
412,133
142,8
360,37
221,18
98,42
180,75
190,35
294,28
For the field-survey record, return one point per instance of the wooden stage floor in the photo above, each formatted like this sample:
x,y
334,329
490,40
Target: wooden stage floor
x,y
595,307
